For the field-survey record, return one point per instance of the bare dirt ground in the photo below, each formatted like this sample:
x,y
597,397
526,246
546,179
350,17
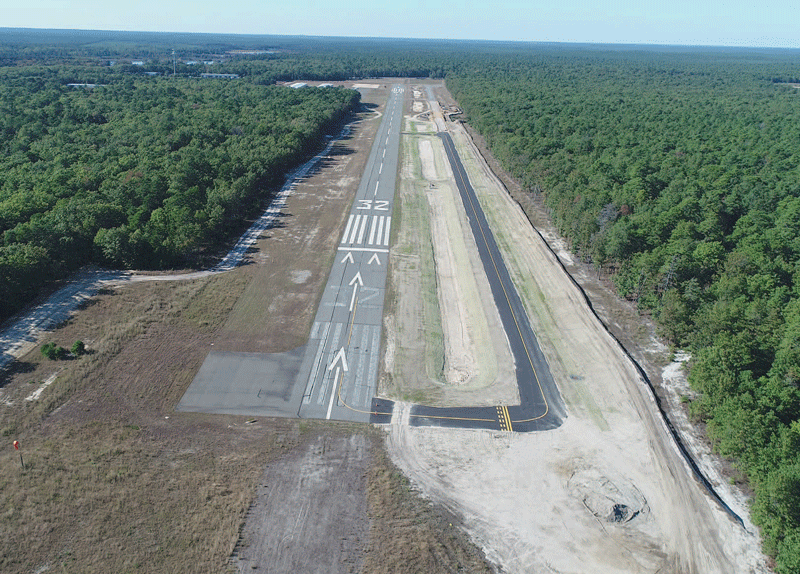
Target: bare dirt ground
x,y
116,481
606,492
304,497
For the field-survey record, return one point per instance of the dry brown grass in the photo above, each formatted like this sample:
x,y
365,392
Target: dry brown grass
x,y
410,535
108,497
115,481
112,483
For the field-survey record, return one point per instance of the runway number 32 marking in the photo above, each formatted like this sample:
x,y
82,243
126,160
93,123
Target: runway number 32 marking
x,y
377,205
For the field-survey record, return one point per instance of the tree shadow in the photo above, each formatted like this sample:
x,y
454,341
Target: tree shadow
x,y
86,303
15,368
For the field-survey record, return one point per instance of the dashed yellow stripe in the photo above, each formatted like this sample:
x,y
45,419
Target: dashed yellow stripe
x,y
504,419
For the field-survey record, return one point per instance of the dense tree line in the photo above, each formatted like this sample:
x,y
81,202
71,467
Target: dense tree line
x,y
139,173
678,174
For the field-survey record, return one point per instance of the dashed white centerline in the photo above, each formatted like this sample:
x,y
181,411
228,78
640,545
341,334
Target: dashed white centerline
x,y
377,183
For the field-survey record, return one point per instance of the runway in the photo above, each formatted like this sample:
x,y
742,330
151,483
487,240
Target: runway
x,y
334,375
340,368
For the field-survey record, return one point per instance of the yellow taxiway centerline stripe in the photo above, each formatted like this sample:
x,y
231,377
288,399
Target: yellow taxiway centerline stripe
x,y
516,323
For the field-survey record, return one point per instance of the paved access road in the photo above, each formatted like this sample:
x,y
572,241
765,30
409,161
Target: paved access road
x,y
340,366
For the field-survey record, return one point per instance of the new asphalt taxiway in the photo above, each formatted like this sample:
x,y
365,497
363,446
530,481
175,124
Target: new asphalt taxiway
x,y
541,406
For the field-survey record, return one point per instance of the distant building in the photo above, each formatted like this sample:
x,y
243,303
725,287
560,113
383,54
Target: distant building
x,y
249,52
325,86
220,76
297,85
152,73
137,63
191,63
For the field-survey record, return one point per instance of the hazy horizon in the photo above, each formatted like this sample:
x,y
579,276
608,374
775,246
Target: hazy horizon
x,y
396,38
775,24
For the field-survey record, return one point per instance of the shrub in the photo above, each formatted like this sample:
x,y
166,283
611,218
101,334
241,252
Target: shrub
x,y
54,352
49,351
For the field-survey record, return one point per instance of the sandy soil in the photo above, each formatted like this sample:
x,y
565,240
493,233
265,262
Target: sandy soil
x,y
606,492
460,352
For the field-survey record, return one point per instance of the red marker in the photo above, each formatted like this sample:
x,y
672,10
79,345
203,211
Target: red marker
x,y
16,445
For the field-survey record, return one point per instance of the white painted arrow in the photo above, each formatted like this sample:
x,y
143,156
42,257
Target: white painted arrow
x,y
348,256
339,355
374,258
357,278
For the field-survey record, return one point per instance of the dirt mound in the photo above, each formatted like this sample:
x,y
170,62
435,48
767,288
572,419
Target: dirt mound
x,y
614,500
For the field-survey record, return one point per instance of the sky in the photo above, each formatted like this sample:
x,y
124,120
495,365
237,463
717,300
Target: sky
x,y
762,23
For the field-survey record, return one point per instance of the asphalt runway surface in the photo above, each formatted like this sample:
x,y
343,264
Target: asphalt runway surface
x,y
340,370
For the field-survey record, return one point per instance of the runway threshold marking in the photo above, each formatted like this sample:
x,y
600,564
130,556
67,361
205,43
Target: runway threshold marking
x,y
372,232
452,152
